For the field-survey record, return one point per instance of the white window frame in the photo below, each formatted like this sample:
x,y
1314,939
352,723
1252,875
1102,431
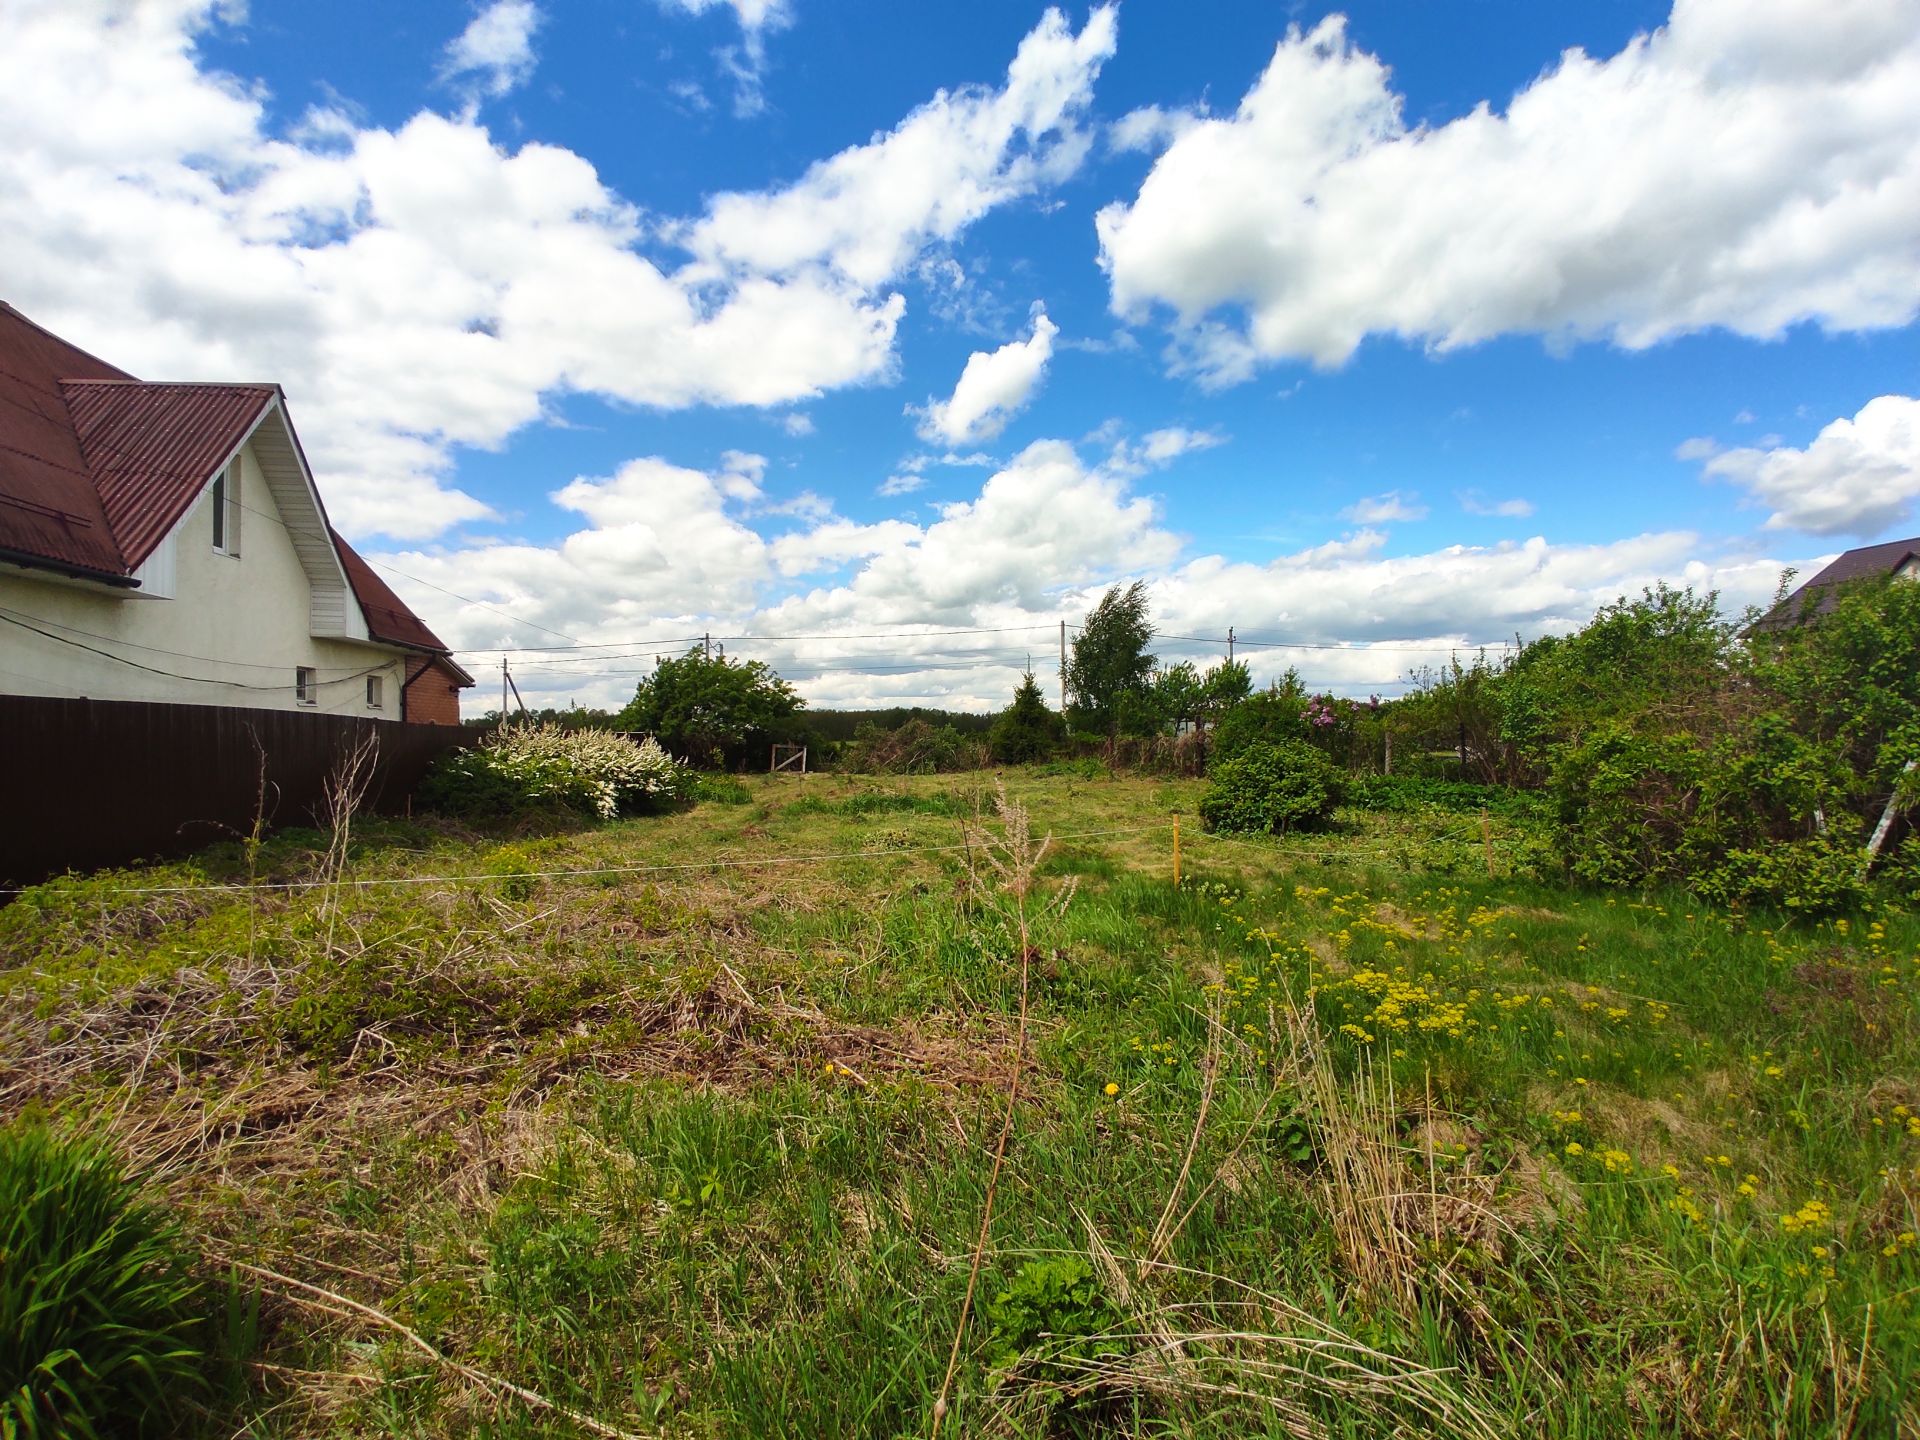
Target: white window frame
x,y
376,692
224,491
306,685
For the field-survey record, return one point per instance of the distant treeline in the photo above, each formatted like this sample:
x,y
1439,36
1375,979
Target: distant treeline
x,y
827,726
840,725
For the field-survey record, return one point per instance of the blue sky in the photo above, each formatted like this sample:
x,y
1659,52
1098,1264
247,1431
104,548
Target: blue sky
x,y
1379,330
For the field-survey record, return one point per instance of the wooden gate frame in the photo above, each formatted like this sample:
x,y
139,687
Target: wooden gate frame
x,y
795,753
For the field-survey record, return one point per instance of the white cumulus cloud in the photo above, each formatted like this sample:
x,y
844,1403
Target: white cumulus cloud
x,y
867,212
1858,476
1384,509
851,611
426,287
496,46
1750,165
992,389
1475,502
745,64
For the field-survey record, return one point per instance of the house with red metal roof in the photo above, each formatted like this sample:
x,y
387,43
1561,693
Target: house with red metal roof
x,y
166,542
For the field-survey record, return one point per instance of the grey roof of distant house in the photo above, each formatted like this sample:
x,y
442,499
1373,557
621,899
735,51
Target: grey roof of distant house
x,y
1867,562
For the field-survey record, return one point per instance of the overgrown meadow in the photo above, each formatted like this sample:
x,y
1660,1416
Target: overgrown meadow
x,y
685,1125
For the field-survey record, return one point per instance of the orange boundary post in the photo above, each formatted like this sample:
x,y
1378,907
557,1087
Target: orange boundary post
x,y
1176,849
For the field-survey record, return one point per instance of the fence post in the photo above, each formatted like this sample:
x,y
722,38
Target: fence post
x,y
1486,839
1176,849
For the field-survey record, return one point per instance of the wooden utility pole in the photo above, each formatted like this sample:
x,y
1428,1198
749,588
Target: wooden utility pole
x,y
1063,667
1229,644
706,645
503,687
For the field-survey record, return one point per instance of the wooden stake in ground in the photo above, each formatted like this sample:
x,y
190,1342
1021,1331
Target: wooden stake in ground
x,y
1176,849
1486,839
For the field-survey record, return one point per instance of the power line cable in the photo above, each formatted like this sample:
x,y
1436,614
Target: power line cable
x,y
193,679
157,650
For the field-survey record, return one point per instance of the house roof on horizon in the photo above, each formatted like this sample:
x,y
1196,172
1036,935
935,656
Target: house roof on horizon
x,y
1889,557
97,466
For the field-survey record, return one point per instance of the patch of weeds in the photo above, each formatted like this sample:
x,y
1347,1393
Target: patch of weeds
x,y
867,803
720,790
1052,1322
514,864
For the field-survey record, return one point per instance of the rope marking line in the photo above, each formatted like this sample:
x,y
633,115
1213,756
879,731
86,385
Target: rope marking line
x,y
368,882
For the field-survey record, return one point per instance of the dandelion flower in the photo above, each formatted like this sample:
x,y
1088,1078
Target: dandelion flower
x,y
1112,1089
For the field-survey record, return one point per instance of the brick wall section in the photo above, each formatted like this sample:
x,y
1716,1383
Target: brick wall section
x,y
433,698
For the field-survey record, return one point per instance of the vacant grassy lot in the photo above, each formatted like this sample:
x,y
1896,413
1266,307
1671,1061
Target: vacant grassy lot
x,y
1342,1136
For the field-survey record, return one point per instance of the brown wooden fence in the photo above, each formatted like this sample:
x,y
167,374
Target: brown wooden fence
x,y
86,783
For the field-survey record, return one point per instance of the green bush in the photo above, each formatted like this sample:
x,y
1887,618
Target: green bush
x,y
100,1323
1402,794
1271,717
1272,789
915,748
1629,806
1818,875
1051,1319
527,769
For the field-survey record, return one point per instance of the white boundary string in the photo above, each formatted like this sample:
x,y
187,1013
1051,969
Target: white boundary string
x,y
719,864
827,858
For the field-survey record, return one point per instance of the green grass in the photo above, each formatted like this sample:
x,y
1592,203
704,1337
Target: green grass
x,y
700,1147
100,1330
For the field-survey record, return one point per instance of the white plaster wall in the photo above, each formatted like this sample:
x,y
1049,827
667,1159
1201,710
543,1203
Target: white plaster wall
x,y
233,634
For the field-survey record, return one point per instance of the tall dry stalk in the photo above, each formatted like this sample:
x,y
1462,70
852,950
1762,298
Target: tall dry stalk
x,y
251,845
340,800
1260,1350
1015,860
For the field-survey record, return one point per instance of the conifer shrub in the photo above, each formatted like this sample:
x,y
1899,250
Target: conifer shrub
x,y
1026,731
1271,789
100,1314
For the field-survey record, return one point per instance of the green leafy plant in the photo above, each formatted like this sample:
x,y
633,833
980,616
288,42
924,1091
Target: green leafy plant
x,y
1817,875
100,1324
1270,789
1051,1320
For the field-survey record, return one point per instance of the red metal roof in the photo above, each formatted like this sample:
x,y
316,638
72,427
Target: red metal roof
x,y
96,467
388,617
49,506
153,446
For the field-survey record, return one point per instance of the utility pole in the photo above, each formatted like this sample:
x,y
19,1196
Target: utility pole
x,y
503,687
1229,644
1063,667
706,645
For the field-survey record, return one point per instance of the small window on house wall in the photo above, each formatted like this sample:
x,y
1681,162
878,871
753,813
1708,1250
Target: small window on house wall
x,y
305,690
376,687
225,507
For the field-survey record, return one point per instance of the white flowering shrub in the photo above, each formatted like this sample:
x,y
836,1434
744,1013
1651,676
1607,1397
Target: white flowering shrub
x,y
523,768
